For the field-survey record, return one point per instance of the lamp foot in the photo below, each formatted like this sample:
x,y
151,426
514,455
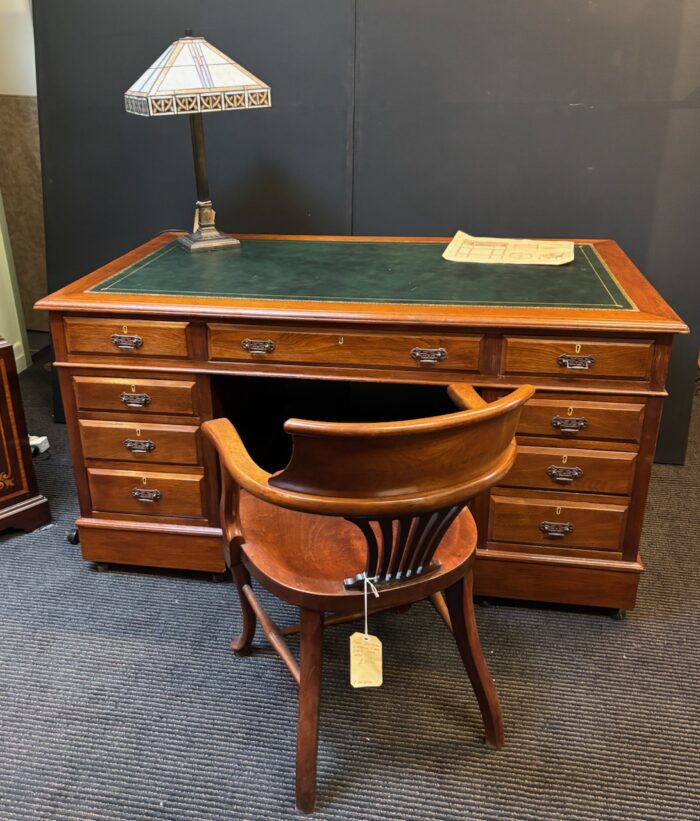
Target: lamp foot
x,y
206,236
196,242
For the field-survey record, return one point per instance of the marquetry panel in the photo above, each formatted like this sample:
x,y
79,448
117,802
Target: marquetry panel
x,y
13,474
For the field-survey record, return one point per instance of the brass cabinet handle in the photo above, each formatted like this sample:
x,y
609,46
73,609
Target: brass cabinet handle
x,y
576,363
146,494
564,475
429,356
139,445
135,400
556,530
569,424
127,342
258,346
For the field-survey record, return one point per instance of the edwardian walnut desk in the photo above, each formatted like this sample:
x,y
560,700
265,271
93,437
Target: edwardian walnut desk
x,y
140,342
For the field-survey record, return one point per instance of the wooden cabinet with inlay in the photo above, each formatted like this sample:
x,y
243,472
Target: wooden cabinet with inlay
x,y
22,507
142,342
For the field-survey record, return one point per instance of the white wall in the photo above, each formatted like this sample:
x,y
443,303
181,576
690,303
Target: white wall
x,y
17,78
11,326
17,70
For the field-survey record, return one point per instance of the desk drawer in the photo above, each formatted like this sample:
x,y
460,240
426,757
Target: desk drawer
x,y
573,419
268,344
159,494
577,358
576,469
145,396
139,442
131,338
557,523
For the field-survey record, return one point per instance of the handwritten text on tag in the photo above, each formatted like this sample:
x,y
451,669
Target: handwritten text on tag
x,y
365,660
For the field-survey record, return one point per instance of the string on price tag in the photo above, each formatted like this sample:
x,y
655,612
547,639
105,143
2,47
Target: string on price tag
x,y
366,650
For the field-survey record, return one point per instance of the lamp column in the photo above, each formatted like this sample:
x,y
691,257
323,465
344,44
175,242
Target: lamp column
x,y
200,157
205,236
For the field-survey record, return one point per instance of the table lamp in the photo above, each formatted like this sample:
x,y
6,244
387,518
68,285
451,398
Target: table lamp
x,y
192,77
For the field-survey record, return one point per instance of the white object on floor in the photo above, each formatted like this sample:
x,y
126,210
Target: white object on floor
x,y
38,444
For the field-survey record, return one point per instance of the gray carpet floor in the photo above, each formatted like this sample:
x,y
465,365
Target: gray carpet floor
x,y
119,697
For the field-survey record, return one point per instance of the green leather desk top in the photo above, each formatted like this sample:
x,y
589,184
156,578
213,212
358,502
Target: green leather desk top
x,y
368,272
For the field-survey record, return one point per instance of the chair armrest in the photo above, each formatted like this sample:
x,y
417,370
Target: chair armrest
x,y
465,397
235,458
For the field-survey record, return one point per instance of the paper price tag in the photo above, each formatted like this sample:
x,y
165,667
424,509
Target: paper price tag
x,y
365,660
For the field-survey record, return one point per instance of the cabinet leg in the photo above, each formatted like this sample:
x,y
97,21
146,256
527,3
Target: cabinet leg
x,y
73,536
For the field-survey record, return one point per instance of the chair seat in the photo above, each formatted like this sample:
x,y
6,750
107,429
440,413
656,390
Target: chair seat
x,y
303,558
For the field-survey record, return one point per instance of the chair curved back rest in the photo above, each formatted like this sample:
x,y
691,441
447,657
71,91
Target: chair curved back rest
x,y
401,483
400,467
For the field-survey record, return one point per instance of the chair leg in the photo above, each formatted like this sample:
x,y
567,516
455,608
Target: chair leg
x,y
460,604
309,701
243,642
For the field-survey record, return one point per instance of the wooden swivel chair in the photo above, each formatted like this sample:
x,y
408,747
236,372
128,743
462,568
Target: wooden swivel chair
x,y
385,499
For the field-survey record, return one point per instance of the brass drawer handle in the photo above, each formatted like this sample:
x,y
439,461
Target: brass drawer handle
x,y
139,445
258,346
564,475
127,342
570,424
556,530
146,495
576,363
135,400
429,356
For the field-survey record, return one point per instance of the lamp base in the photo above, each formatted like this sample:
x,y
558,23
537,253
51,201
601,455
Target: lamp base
x,y
206,236
197,242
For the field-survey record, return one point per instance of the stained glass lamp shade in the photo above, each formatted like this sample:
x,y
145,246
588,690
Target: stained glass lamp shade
x,y
193,77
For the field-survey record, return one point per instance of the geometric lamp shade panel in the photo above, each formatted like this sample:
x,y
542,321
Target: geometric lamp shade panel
x,y
190,76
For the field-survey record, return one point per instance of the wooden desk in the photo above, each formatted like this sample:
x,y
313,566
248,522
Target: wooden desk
x,y
139,342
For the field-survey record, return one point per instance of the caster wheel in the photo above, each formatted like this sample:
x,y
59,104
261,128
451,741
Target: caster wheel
x,y
618,613
219,578
482,601
100,567
72,536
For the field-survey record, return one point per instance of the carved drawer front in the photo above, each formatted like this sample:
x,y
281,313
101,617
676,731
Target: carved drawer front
x,y
140,442
126,337
151,493
144,396
557,523
601,471
577,358
412,351
574,419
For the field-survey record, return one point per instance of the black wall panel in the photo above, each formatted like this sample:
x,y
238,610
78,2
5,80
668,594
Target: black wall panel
x,y
112,180
502,117
539,118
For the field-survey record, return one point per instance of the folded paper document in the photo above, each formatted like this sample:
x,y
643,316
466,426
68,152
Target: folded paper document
x,y
465,248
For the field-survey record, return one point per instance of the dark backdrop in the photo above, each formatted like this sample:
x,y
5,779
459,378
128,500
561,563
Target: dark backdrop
x,y
501,117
